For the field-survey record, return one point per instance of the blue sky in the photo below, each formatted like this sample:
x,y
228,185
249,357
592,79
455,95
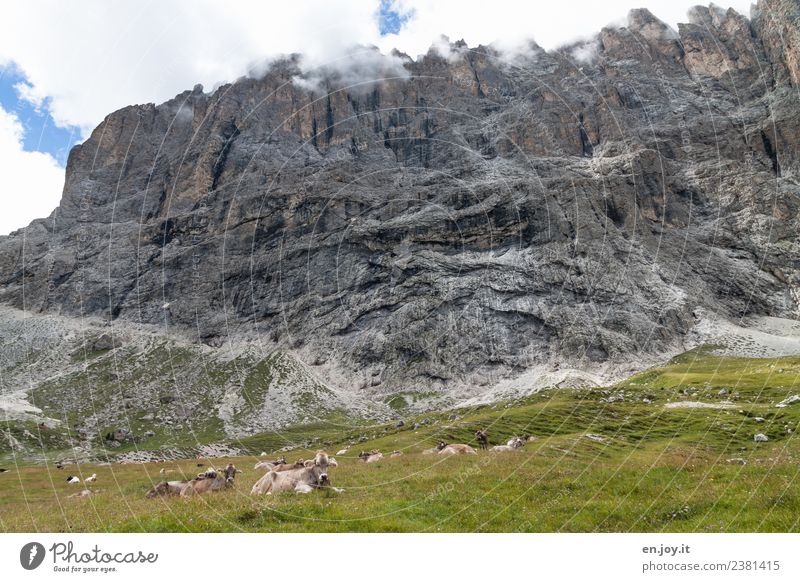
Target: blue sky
x,y
41,132
390,20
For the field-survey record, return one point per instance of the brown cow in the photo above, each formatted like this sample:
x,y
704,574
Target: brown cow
x,y
210,481
312,476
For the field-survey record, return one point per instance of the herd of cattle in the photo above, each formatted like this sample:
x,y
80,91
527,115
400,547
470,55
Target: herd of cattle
x,y
302,476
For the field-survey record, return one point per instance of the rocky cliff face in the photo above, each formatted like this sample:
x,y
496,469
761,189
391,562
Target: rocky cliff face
x,y
452,221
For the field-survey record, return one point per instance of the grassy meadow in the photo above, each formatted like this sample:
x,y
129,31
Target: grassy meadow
x,y
622,458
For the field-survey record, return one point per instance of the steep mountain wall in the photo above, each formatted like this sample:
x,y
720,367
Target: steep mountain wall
x,y
460,222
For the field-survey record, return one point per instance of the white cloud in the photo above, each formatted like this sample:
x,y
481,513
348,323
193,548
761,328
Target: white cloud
x,y
27,93
355,69
586,52
95,56
32,181
510,23
92,57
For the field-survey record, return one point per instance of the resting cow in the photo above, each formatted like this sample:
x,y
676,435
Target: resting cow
x,y
312,476
274,462
270,464
514,444
82,494
210,481
458,449
435,449
372,456
166,488
299,464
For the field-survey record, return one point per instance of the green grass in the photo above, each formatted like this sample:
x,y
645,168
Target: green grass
x,y
642,467
400,401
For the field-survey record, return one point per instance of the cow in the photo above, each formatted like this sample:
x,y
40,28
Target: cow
x,y
91,479
313,475
483,439
80,494
372,456
270,464
210,481
299,464
438,448
166,488
514,444
73,479
458,449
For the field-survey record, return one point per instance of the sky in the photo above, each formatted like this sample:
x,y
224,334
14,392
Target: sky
x,y
64,66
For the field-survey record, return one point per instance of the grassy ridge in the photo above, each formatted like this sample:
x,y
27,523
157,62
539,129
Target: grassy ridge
x,y
154,388
614,459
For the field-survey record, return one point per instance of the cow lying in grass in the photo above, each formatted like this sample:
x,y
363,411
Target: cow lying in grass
x,y
280,467
372,456
458,449
513,444
82,494
166,488
210,480
270,464
313,475
434,450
